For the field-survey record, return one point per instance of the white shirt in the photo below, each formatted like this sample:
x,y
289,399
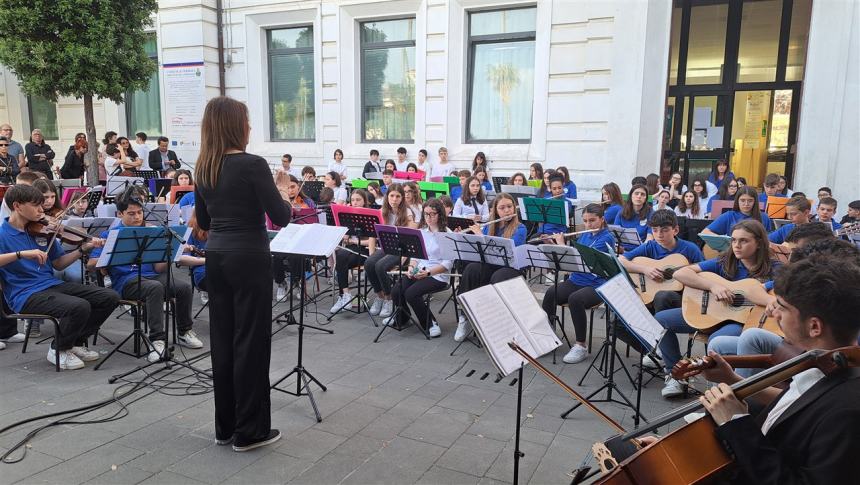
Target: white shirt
x,y
434,253
800,383
110,164
142,152
417,212
340,195
465,209
689,213
441,169
338,167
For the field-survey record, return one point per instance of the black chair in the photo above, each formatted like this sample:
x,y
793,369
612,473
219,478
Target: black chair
x,y
6,313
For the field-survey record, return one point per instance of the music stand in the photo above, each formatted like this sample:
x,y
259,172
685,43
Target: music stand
x,y
498,182
306,240
312,188
360,222
148,174
461,223
519,191
403,242
178,191
776,207
373,176
156,213
553,211
626,236
434,189
117,185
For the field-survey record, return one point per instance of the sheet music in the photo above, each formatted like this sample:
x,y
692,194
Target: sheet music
x,y
716,242
93,225
622,298
181,251
107,249
185,213
530,316
116,185
106,210
529,255
307,239
156,213
627,235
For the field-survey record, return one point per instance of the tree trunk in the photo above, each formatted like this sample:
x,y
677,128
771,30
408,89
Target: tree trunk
x,y
91,159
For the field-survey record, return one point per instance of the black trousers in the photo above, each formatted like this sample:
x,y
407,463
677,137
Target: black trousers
x,y
240,319
578,299
282,263
151,292
81,310
666,300
413,292
344,260
477,275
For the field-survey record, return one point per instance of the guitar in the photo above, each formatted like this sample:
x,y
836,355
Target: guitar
x,y
759,319
704,312
847,229
686,368
647,287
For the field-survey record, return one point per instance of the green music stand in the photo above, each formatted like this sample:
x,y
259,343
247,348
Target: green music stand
x,y
553,211
434,189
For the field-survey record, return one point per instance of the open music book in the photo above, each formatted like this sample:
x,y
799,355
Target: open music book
x,y
307,239
508,312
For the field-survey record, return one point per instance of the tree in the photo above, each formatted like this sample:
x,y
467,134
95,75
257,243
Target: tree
x,y
505,78
78,48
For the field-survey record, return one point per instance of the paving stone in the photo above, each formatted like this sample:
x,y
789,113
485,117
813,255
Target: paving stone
x,y
170,478
349,419
123,475
213,463
332,468
273,468
469,399
32,464
503,467
88,465
441,476
471,454
161,457
439,426
402,461
73,442
310,445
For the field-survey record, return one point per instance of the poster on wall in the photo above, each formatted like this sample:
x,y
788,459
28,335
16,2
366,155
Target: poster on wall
x,y
752,122
185,98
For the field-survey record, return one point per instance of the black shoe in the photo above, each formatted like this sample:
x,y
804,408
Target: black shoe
x,y
274,435
225,442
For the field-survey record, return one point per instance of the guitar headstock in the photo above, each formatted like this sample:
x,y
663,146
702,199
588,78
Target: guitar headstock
x,y
686,368
848,229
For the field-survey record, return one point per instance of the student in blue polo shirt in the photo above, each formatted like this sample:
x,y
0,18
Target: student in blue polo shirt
x,y
152,285
569,186
196,260
771,187
797,211
664,229
635,213
556,191
826,211
748,257
746,207
29,285
578,291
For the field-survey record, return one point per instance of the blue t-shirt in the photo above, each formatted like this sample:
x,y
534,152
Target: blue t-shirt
x,y
611,213
570,190
488,186
597,240
121,275
712,178
187,199
714,266
641,226
197,272
652,249
456,192
762,197
24,277
778,236
519,236
723,224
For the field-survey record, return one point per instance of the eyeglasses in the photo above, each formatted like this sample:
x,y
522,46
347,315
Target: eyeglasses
x,y
431,214
4,144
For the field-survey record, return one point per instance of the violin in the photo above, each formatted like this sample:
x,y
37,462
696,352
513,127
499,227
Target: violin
x,y
48,227
686,368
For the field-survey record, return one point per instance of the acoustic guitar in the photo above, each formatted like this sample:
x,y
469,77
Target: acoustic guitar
x,y
704,312
647,287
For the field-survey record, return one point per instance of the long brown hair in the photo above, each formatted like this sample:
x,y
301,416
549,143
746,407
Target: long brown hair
x,y
402,216
614,192
755,212
198,233
510,226
763,264
629,211
225,126
695,208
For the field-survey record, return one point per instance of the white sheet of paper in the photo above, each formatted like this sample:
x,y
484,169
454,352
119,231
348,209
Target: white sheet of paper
x,y
701,117
457,245
93,225
622,298
107,249
106,210
307,239
182,246
529,314
157,212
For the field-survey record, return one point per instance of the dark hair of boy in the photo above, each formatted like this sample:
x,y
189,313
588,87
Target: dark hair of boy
x,y
798,194
423,152
800,203
23,194
141,135
401,150
288,157
771,180
829,201
374,151
854,204
163,139
308,170
639,181
810,232
112,149
128,198
388,171
663,218
326,195
464,173
26,178
831,246
825,189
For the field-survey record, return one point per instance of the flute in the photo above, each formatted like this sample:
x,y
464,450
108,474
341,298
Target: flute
x,y
565,235
405,273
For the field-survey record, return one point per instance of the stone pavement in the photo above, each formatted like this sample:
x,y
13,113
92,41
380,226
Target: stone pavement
x,y
399,411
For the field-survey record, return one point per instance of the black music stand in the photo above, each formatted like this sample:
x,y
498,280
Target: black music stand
x,y
147,174
625,235
498,182
312,188
460,223
358,225
93,200
402,242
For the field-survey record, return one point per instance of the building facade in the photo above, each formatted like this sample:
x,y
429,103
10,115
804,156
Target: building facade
x,y
610,89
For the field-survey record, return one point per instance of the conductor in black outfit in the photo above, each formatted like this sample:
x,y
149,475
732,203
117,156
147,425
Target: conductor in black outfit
x,y
234,192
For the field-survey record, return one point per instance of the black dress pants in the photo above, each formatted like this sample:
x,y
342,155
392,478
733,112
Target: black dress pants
x,y
240,318
477,275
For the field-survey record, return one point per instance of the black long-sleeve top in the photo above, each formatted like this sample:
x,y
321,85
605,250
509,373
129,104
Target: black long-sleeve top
x,y
234,210
73,166
34,162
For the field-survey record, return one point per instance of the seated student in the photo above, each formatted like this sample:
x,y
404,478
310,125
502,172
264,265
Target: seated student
x,y
423,165
152,286
635,213
472,203
720,174
27,268
387,180
544,186
353,254
377,265
807,434
424,276
578,291
661,200
676,188
690,206
390,165
481,174
372,165
375,194
337,165
652,183
569,186
309,174
77,206
727,191
825,212
853,213
286,166
413,200
326,196
281,263
796,211
771,187
535,171
194,257
748,257
411,167
610,196
518,178
333,181
457,192
746,207
476,275
182,177
556,187
447,203
782,188
822,193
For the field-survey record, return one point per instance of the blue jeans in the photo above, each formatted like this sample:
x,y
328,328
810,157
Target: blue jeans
x,y
752,342
673,321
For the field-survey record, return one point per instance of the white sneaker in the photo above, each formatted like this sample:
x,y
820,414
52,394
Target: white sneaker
x,y
85,354
341,302
576,354
389,321
376,307
68,360
2,346
435,331
281,293
672,388
387,308
649,363
189,340
204,297
15,339
157,351
107,282
463,329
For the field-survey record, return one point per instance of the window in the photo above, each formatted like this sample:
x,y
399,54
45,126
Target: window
x,y
143,108
501,76
291,84
707,45
43,115
759,41
388,80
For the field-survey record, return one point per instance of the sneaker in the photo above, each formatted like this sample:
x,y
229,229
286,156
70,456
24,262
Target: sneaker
x,y
649,363
281,293
390,320
85,354
341,302
35,329
376,307
387,308
463,329
576,354
15,339
204,297
107,282
189,340
274,435
157,351
435,331
2,346
68,360
672,388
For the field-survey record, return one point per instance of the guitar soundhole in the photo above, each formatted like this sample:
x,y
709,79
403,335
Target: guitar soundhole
x,y
738,300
